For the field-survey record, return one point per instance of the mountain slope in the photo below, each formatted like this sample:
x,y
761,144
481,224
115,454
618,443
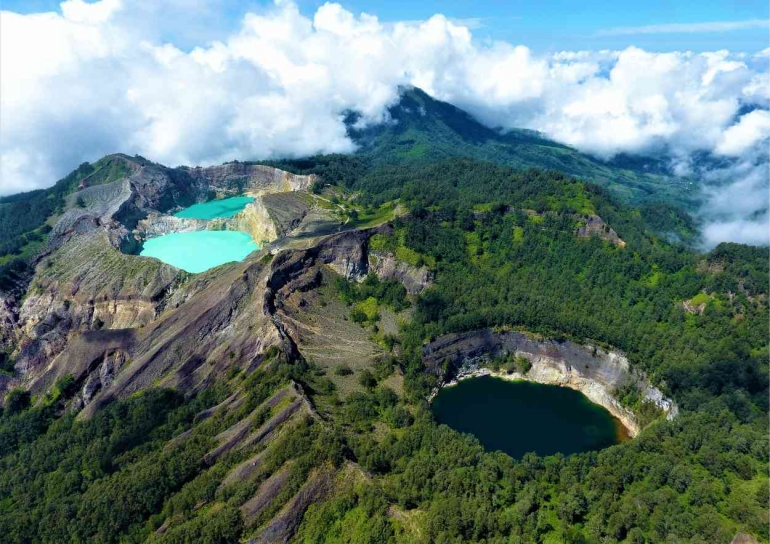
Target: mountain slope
x,y
285,398
425,129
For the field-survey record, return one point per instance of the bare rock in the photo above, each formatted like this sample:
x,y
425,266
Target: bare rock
x,y
283,526
743,538
593,225
386,266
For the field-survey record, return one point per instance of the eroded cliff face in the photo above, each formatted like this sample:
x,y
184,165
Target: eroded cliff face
x,y
159,224
234,178
387,266
86,284
597,373
256,221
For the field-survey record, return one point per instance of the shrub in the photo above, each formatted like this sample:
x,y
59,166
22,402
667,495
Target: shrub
x,y
367,379
343,370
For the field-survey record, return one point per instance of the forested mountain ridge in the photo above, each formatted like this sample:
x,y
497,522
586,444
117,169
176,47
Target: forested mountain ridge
x,y
420,128
284,398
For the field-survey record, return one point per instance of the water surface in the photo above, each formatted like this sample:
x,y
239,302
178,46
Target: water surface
x,y
227,207
199,251
519,417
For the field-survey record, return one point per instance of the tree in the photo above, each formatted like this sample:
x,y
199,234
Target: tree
x,y
367,379
16,401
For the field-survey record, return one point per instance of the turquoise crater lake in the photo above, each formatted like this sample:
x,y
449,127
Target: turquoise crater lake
x,y
517,417
201,250
215,209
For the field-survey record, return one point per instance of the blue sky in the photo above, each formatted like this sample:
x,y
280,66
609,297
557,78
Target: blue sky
x,y
548,25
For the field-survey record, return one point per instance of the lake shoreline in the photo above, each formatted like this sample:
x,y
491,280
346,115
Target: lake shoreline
x,y
522,416
621,415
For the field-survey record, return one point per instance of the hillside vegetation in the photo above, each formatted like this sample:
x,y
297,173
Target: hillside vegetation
x,y
503,248
423,129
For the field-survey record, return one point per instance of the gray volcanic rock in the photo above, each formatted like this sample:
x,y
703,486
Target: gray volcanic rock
x,y
386,266
593,225
159,224
348,253
237,177
281,528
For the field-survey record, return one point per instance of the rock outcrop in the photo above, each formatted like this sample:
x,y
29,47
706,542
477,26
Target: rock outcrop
x,y
386,266
102,376
237,177
159,224
593,225
256,221
595,372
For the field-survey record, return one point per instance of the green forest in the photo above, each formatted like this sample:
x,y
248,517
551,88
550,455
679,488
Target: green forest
x,y
501,244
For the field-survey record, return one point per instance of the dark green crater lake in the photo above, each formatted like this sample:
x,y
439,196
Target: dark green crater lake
x,y
519,417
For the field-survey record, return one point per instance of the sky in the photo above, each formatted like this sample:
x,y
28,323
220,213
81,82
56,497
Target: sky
x,y
206,81
546,25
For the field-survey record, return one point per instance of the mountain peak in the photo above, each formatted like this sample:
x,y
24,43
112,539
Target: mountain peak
x,y
422,128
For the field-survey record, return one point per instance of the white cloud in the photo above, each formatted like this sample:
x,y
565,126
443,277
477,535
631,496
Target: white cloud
x,y
79,11
735,207
686,28
100,78
752,129
744,231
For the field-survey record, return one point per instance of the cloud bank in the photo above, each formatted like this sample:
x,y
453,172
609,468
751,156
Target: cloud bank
x,y
98,78
686,28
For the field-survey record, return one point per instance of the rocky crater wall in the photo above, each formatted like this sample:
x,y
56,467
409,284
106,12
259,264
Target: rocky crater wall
x,y
597,373
255,220
158,225
238,177
415,278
